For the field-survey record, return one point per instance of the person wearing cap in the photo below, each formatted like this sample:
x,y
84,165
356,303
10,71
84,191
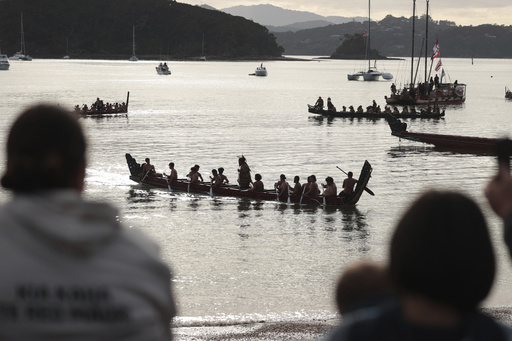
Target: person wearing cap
x,y
330,189
282,188
70,270
330,106
319,103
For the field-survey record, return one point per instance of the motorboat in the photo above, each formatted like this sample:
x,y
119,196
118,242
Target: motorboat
x,y
4,62
163,69
261,71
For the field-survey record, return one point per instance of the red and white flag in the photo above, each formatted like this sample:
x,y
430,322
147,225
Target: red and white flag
x,y
436,51
439,64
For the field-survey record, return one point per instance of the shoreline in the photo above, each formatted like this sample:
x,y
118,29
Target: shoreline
x,y
289,331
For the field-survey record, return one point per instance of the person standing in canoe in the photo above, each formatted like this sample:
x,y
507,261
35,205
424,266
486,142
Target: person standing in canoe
x,y
174,174
244,174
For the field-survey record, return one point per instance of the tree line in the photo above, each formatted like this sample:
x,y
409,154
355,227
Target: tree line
x,y
103,29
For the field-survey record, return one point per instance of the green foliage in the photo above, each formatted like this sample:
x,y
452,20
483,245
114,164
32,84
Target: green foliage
x,y
103,29
354,47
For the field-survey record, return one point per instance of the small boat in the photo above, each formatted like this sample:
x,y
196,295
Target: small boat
x,y
372,115
354,76
21,55
133,58
206,188
464,144
163,69
100,109
4,61
508,93
261,71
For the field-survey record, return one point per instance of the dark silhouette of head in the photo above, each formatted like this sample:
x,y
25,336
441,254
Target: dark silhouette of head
x,y
45,150
441,250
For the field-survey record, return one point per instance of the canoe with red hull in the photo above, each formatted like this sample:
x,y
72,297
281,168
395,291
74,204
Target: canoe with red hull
x,y
467,144
234,191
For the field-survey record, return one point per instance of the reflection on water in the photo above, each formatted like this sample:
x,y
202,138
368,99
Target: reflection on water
x,y
246,259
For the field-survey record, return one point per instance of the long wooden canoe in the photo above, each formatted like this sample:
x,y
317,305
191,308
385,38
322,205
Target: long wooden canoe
x,y
314,110
112,109
466,144
234,191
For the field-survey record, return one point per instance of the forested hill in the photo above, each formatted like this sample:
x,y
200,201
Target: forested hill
x,y
103,29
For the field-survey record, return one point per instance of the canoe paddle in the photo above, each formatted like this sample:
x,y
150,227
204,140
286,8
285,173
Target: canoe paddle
x,y
369,191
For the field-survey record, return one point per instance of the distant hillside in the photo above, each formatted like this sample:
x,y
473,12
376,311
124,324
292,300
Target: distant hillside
x,y
103,29
270,15
299,26
392,38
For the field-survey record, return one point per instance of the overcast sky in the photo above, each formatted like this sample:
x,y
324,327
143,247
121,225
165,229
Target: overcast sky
x,y
463,12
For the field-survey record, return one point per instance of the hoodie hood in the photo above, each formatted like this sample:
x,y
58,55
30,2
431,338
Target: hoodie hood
x,y
63,219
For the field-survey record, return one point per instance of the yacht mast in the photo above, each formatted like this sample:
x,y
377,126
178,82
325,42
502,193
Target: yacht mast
x,y
426,43
369,35
22,37
412,49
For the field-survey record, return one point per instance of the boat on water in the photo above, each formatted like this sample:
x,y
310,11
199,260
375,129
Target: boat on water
x,y
456,143
508,93
133,58
163,69
21,54
430,91
371,74
373,115
206,188
101,109
4,61
260,71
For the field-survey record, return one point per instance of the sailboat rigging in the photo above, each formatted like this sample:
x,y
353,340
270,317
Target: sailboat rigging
x,y
21,55
371,74
430,91
133,58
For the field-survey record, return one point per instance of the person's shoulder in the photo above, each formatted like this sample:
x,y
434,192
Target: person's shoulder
x,y
373,323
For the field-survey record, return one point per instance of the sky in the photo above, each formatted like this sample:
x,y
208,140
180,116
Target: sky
x,y
462,12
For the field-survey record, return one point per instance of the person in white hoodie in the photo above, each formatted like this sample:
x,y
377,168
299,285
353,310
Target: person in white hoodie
x,y
68,269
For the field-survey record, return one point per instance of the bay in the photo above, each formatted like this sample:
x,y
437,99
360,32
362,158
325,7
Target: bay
x,y
238,261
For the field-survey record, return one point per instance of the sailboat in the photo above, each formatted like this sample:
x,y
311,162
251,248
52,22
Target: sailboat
x,y
372,74
424,93
21,55
203,57
133,58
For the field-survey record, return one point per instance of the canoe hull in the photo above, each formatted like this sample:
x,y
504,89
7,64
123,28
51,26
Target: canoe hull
x,y
185,185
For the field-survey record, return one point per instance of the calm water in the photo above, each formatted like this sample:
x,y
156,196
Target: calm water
x,y
237,261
